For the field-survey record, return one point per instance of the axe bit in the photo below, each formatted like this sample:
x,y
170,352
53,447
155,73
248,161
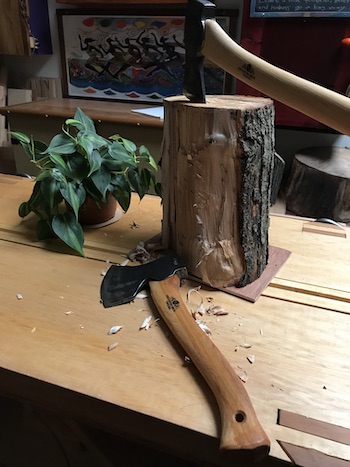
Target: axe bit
x,y
240,428
205,38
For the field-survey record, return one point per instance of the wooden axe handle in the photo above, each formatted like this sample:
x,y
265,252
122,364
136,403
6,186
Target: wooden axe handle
x,y
240,427
328,107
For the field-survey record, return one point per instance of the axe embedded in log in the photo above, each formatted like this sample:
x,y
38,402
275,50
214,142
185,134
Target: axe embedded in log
x,y
205,38
240,428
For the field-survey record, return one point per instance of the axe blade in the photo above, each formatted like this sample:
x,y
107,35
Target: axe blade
x,y
197,12
121,284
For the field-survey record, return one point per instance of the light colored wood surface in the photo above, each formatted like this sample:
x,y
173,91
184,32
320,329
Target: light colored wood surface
x,y
101,111
58,331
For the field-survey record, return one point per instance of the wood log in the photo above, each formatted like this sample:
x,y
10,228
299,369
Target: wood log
x,y
217,163
319,183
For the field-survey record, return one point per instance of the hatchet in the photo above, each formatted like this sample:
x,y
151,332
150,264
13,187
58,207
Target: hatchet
x,y
240,428
205,38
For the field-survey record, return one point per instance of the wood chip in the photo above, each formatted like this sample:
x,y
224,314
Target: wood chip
x,y
251,358
203,326
243,376
216,310
112,346
141,295
146,323
245,345
19,296
114,329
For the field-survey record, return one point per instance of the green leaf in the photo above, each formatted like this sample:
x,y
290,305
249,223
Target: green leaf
x,y
158,189
120,154
78,167
24,209
145,179
21,137
44,173
61,144
68,229
43,230
80,116
57,159
96,140
136,182
101,179
123,197
75,123
49,188
95,161
74,194
129,145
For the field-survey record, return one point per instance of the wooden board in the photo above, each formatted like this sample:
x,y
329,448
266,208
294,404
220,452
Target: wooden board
x,y
307,277
57,334
115,112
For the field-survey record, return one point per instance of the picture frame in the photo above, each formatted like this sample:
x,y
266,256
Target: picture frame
x,y
135,55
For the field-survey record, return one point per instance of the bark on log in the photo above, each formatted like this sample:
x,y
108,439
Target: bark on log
x,y
319,183
217,163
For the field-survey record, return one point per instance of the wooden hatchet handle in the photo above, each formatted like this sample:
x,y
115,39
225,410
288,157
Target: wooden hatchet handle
x,y
322,104
240,428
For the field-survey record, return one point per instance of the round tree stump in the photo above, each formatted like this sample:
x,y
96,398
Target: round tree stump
x,y
319,183
217,166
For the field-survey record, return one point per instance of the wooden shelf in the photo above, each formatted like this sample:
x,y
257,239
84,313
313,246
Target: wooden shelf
x,y
101,111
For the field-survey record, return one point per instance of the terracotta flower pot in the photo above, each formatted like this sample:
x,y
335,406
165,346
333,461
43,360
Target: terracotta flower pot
x,y
91,214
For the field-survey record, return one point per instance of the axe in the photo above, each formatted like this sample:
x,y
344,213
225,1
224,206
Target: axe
x,y
240,428
205,38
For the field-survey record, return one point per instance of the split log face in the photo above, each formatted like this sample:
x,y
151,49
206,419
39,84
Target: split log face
x,y
216,175
319,183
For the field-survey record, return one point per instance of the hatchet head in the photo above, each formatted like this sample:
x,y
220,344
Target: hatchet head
x,y
121,284
197,12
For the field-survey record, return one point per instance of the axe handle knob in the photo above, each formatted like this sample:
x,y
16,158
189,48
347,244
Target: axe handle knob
x,y
240,428
328,107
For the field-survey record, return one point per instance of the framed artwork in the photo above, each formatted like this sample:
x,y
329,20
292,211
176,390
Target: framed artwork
x,y
135,57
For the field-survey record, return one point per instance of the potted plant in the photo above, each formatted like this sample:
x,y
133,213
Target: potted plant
x,y
80,165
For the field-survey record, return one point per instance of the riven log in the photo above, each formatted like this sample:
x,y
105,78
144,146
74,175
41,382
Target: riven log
x,y
217,163
319,183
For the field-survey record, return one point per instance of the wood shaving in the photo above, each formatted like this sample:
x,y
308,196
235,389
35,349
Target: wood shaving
x,y
245,345
140,253
194,290
112,346
115,329
81,326
19,296
251,358
203,326
69,312
141,295
146,323
187,359
125,262
216,310
103,273
261,332
243,376
33,330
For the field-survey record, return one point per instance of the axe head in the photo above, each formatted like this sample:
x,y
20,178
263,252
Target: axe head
x,y
197,12
121,284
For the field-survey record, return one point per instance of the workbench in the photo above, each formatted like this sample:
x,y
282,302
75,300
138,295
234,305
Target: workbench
x,y
54,340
